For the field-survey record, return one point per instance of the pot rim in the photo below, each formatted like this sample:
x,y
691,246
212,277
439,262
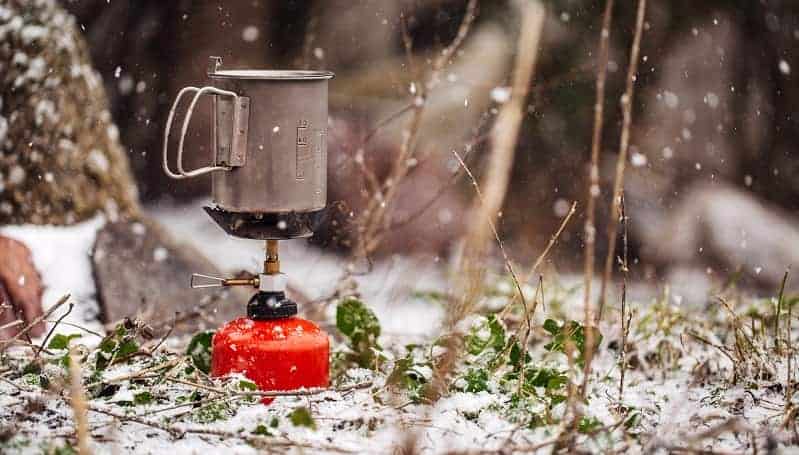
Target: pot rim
x,y
294,75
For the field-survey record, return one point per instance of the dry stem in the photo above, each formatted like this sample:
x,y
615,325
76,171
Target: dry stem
x,y
621,161
504,137
593,185
77,399
373,221
5,344
625,317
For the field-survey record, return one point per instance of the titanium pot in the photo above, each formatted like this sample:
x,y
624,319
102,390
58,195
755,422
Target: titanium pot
x,y
268,139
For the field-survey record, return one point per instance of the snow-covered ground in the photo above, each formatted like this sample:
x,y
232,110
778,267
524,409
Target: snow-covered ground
x,y
62,255
678,396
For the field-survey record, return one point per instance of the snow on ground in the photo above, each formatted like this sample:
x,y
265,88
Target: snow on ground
x,y
61,254
678,389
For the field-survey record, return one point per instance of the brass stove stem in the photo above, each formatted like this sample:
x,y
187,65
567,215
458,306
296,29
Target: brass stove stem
x,y
272,262
241,282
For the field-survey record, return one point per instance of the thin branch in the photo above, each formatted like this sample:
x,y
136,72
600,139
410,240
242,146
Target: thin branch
x,y
77,400
52,329
504,137
626,315
540,259
589,230
5,344
136,374
621,161
373,219
508,263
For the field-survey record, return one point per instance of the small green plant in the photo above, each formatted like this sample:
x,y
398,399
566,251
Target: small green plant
x,y
413,372
119,344
572,332
60,341
361,327
487,333
199,350
301,417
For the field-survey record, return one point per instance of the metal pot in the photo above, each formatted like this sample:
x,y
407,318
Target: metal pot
x,y
269,139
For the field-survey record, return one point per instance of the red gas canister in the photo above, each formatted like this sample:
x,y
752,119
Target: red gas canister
x,y
272,347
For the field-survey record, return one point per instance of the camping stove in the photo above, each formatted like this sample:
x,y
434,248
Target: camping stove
x,y
269,176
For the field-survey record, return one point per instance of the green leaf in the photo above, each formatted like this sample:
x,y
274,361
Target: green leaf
x,y
262,430
406,375
142,398
301,417
476,380
547,378
488,333
127,348
551,326
118,344
62,450
588,424
515,357
199,350
247,385
360,325
573,333
60,341
356,320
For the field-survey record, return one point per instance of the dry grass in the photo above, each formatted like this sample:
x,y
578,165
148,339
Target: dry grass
x,y
77,400
624,145
469,275
593,190
373,222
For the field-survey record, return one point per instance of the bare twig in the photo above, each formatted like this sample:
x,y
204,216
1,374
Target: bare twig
x,y
52,329
621,161
528,319
77,400
626,315
593,189
508,263
488,203
168,364
373,221
5,344
11,324
552,241
504,137
540,259
272,393
77,326
780,299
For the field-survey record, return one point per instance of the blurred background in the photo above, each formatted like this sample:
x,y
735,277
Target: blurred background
x,y
712,185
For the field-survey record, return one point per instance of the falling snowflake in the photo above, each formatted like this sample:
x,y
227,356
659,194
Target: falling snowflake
x,y
160,254
500,95
785,68
250,33
638,159
712,100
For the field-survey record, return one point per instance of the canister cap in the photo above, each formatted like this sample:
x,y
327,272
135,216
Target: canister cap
x,y
270,305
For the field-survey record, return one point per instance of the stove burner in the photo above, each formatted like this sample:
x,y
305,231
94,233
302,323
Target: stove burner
x,y
263,226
